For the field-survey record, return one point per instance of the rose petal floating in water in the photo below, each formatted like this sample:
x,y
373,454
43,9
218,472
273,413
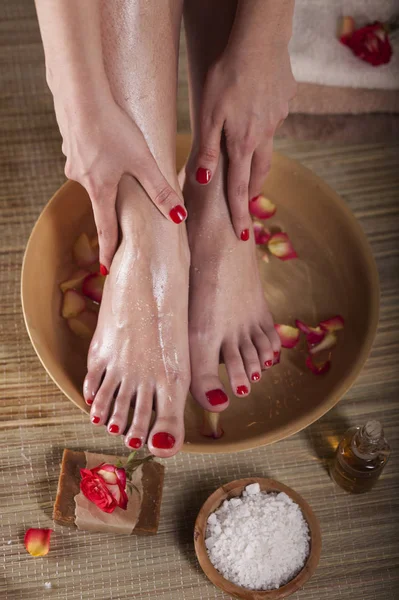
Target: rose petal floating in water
x,y
83,252
261,233
333,324
37,541
75,280
317,368
211,425
289,336
73,304
314,335
328,342
261,207
84,324
279,244
93,286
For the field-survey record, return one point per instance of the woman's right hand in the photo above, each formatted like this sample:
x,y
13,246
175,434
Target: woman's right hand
x,y
101,143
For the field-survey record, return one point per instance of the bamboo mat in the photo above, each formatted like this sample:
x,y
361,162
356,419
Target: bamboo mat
x,y
360,557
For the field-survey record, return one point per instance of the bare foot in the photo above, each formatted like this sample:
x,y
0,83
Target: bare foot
x,y
229,320
139,353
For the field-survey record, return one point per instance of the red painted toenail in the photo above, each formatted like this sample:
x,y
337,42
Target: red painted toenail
x,y
163,440
276,358
216,397
268,363
113,428
203,176
103,270
95,420
89,401
245,235
255,376
178,214
135,443
241,390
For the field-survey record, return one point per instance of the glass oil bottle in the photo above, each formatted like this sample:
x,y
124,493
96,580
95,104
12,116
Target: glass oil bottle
x,y
360,458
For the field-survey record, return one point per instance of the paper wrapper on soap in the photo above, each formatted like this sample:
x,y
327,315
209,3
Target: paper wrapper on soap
x,y
72,509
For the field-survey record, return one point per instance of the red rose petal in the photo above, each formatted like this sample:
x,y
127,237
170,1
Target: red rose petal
x,y
317,369
328,342
211,425
289,336
262,207
93,286
333,324
37,541
84,325
279,244
314,335
261,234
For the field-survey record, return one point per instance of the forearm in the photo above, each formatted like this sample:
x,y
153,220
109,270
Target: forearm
x,y
71,33
260,24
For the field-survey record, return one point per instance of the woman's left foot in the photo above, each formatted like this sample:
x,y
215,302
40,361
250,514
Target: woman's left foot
x,y
229,320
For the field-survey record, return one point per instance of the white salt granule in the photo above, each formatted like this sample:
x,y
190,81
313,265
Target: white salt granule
x,y
259,541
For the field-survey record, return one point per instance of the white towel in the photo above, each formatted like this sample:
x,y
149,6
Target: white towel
x,y
317,56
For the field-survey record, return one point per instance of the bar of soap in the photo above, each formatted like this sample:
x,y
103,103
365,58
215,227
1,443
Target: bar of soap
x,y
69,487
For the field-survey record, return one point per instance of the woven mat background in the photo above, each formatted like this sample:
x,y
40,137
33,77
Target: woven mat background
x,y
360,558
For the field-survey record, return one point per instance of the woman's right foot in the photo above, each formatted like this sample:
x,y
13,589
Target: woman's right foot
x,y
229,320
139,354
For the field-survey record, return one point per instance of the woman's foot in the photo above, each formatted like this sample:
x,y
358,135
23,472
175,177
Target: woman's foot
x,y
229,320
139,354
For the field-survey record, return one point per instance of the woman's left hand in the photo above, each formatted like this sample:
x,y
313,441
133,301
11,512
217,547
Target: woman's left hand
x,y
246,99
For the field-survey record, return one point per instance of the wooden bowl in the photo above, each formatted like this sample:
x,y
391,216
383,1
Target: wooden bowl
x,y
231,490
334,274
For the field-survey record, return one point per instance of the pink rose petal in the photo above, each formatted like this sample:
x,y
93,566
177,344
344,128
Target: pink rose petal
x,y
280,245
262,208
289,336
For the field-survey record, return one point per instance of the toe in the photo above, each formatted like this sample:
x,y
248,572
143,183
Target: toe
x,y
274,339
250,359
264,348
167,434
103,400
206,387
235,369
92,382
138,430
118,422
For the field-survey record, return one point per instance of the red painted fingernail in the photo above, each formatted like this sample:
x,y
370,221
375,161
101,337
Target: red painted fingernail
x,y
241,390
216,397
268,363
95,420
178,213
245,235
103,270
135,443
163,440
203,175
113,428
255,376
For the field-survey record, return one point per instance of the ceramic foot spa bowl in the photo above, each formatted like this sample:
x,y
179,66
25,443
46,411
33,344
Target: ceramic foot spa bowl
x,y
334,274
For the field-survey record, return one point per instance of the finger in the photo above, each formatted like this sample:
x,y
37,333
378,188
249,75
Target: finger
x,y
107,226
209,151
161,193
261,163
238,175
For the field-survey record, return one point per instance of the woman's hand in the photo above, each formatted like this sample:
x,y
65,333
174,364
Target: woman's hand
x,y
102,143
246,98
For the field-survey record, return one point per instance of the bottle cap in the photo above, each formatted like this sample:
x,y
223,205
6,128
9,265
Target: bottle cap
x,y
373,430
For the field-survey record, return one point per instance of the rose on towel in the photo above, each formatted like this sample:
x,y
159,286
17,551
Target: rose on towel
x,y
369,43
105,486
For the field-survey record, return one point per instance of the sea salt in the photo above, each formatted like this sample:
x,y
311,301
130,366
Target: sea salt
x,y
259,541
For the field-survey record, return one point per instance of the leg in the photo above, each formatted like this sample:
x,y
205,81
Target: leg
x,y
139,353
228,315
